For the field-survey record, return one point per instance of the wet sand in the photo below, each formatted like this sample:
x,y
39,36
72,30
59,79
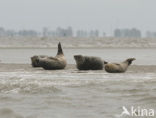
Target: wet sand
x,y
28,67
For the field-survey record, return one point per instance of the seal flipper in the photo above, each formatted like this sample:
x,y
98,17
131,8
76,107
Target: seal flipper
x,y
129,60
60,51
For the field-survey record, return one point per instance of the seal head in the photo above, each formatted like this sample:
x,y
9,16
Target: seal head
x,y
35,60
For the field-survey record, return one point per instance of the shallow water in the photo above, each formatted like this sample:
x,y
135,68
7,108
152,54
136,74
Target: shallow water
x,y
27,92
35,93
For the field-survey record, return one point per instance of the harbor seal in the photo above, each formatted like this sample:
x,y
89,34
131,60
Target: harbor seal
x,y
34,60
88,62
53,63
118,67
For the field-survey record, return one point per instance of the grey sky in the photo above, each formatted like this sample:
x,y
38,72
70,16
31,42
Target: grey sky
x,y
104,15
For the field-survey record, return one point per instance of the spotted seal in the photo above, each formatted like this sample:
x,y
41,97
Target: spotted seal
x,y
53,63
118,67
88,62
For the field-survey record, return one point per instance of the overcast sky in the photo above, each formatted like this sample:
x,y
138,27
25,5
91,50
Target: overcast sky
x,y
104,15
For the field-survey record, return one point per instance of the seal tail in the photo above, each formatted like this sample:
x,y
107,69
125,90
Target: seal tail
x,y
60,51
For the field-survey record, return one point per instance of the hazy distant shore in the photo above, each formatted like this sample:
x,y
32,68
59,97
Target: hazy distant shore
x,y
40,42
78,47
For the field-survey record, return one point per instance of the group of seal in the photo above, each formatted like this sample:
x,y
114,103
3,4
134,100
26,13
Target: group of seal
x,y
96,63
82,62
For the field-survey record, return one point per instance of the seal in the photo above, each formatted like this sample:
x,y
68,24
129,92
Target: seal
x,y
54,63
88,62
35,60
118,67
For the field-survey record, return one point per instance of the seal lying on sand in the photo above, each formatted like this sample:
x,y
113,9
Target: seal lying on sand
x,y
34,60
88,62
118,67
53,63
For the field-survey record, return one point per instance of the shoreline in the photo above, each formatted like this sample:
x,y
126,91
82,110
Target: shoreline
x,y
68,64
71,42
28,67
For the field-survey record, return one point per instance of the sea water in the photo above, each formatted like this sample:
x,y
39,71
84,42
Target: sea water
x,y
27,92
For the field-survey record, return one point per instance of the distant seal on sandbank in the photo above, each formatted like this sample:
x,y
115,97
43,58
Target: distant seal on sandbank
x,y
118,67
88,62
53,63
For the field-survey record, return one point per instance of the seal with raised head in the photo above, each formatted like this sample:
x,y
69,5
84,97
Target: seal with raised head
x,y
53,63
35,60
88,62
118,67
